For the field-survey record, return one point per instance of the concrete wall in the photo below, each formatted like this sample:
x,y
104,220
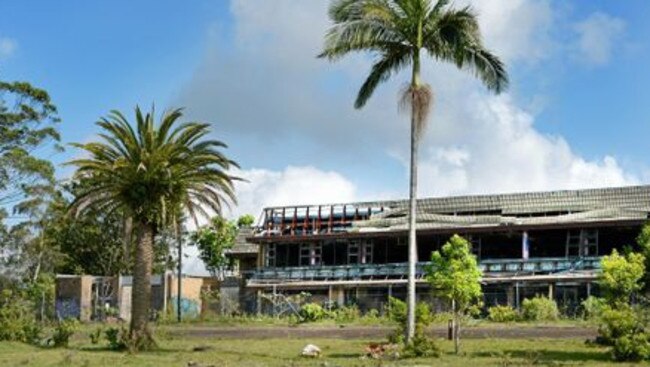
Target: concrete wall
x,y
190,295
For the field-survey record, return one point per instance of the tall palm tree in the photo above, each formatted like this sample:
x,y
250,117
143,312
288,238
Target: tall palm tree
x,y
396,31
149,171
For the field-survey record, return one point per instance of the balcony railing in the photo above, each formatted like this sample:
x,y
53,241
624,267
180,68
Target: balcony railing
x,y
400,270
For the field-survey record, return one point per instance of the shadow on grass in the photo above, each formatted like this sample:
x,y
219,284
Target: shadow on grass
x,y
342,355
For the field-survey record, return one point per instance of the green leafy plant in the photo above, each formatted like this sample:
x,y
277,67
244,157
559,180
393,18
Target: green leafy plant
x,y
346,313
312,312
592,308
115,338
454,275
539,308
631,347
95,336
62,332
502,314
421,346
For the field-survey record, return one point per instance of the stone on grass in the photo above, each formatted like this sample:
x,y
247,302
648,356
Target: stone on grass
x,y
311,351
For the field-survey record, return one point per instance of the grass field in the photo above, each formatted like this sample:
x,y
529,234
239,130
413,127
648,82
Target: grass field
x,y
285,352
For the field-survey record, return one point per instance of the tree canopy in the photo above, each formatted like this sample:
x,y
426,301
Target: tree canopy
x,y
454,275
28,122
213,241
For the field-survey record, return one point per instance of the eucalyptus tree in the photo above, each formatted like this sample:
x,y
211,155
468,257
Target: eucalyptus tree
x,y
398,32
28,129
150,171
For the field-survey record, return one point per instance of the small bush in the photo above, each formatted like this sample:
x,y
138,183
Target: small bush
x,y
62,333
592,308
397,311
635,347
117,338
312,312
95,336
540,309
502,314
346,313
421,346
616,323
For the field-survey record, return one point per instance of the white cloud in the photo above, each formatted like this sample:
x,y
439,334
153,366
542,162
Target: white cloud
x,y
291,186
598,37
270,85
7,47
517,30
501,151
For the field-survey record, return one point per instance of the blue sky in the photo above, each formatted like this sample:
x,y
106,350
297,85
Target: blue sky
x,y
576,114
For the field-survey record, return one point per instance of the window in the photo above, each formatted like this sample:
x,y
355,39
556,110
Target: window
x,y
311,254
270,255
360,252
583,242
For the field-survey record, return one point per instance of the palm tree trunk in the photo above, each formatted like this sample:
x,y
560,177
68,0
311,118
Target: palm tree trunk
x,y
127,229
141,291
413,253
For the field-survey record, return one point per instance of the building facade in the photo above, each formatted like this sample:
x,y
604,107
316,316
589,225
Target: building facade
x,y
527,244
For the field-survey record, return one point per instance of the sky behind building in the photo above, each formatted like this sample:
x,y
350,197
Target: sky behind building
x,y
576,114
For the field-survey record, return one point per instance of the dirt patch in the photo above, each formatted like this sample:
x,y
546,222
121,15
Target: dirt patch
x,y
368,332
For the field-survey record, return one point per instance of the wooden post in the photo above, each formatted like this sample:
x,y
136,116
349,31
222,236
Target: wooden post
x,y
319,220
330,221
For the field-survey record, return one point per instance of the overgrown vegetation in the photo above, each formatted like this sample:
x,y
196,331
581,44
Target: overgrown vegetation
x,y
539,308
623,325
421,345
502,314
17,318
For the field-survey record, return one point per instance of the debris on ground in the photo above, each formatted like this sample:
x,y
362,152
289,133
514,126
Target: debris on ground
x,y
382,351
310,350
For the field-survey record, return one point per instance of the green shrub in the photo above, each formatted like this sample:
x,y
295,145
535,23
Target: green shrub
x,y
17,321
312,312
346,313
540,309
62,333
95,336
502,314
634,347
116,338
616,323
397,311
421,346
592,308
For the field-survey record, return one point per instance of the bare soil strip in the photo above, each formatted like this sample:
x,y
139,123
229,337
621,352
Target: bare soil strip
x,y
371,332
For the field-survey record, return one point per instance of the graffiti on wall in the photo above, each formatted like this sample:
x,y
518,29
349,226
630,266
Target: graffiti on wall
x,y
189,307
67,308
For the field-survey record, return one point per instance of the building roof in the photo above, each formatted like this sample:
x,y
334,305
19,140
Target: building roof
x,y
242,247
631,203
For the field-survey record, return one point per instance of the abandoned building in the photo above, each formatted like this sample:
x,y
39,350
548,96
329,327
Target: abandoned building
x,y
547,243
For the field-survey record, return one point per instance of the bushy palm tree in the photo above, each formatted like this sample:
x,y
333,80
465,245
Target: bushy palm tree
x,y
150,171
397,31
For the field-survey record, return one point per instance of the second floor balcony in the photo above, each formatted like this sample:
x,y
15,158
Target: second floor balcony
x,y
400,270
